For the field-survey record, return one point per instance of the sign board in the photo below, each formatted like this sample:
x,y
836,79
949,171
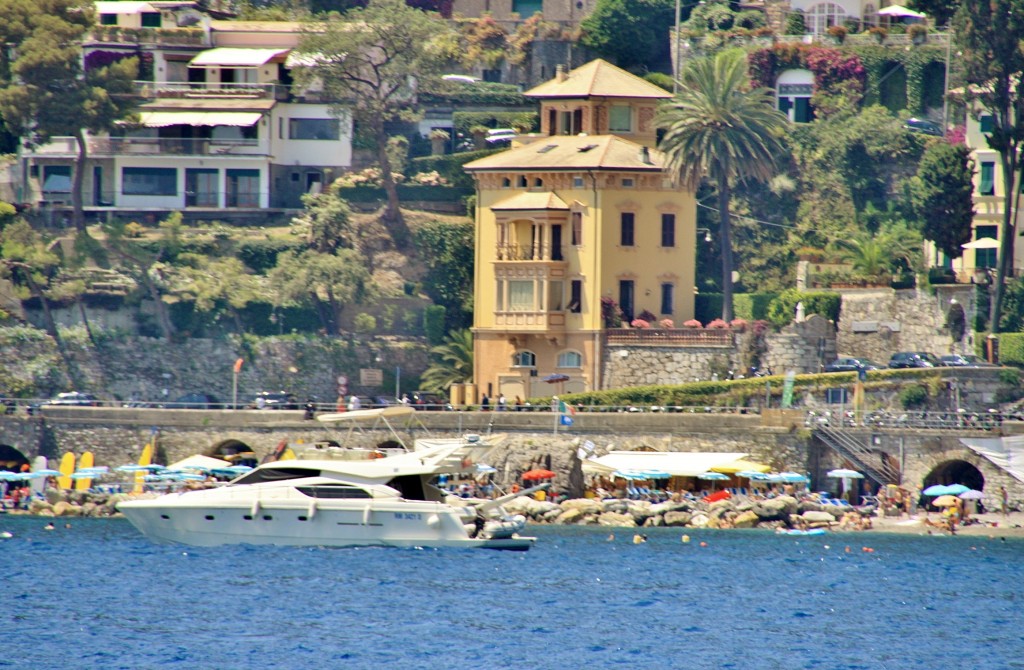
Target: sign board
x,y
371,377
787,390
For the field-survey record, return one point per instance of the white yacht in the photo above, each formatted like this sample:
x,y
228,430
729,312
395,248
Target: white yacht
x,y
333,496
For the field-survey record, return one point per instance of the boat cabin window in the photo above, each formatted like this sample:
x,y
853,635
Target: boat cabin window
x,y
409,487
333,491
263,475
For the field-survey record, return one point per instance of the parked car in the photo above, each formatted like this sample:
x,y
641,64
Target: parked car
x,y
275,400
914,359
923,126
428,401
74,399
195,401
500,137
852,365
965,361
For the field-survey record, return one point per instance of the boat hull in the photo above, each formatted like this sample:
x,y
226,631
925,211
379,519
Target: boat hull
x,y
401,524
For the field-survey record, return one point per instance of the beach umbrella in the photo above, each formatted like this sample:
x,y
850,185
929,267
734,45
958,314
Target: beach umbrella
x,y
751,474
972,495
713,476
484,469
944,501
792,477
655,474
957,489
537,474
845,474
936,490
47,472
631,475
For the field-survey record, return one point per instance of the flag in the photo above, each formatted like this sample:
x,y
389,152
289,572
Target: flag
x,y
565,412
566,409
565,420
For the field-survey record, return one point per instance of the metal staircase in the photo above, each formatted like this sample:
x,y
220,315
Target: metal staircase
x,y
853,450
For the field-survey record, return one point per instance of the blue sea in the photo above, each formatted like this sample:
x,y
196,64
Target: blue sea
x,y
99,595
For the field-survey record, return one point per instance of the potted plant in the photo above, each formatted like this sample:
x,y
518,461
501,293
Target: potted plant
x,y
879,33
838,33
918,33
692,324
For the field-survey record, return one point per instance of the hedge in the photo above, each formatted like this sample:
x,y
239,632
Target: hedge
x,y
1011,349
782,310
479,93
465,121
748,306
405,192
449,166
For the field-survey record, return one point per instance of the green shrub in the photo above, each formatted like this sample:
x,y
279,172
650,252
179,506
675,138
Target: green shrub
x,y
1011,349
752,306
261,255
465,121
782,309
365,323
660,79
433,323
913,396
479,93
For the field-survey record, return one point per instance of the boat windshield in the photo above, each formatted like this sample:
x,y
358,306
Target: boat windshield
x,y
279,474
333,491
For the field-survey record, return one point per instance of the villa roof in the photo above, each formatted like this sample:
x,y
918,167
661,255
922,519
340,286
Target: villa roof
x,y
574,152
531,201
598,78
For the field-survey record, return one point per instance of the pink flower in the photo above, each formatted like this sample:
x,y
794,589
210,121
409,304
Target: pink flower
x,y
640,323
718,324
667,323
692,323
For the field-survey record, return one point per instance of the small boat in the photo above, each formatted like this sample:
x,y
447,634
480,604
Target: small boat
x,y
798,531
339,497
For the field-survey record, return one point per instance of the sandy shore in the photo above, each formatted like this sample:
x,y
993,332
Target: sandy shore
x,y
992,525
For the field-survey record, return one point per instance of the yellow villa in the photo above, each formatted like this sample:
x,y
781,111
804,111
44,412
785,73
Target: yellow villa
x,y
580,214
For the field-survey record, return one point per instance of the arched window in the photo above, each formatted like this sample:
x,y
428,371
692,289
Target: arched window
x,y
538,183
506,182
823,15
521,182
524,359
570,359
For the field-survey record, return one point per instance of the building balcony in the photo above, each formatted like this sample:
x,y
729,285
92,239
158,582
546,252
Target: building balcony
x,y
167,37
152,90
527,252
530,322
150,146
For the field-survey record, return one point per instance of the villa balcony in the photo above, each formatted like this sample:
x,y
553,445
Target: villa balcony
x,y
673,337
530,322
166,37
151,146
519,253
152,90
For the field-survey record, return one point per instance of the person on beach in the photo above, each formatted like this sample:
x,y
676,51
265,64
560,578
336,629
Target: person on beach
x,y
1004,501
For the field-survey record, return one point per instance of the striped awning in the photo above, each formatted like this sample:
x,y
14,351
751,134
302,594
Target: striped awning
x,y
164,119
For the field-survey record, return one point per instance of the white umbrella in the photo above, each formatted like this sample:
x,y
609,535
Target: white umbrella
x,y
983,243
900,10
845,473
971,495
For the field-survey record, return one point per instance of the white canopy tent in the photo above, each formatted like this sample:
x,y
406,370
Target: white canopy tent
x,y
899,11
1007,453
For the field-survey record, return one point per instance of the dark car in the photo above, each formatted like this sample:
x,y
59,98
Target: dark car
x,y
275,400
914,359
195,401
923,126
74,399
965,361
428,401
851,365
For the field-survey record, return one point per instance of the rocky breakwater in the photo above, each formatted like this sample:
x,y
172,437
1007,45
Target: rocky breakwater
x,y
58,503
771,513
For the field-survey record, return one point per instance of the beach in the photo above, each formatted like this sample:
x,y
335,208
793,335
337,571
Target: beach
x,y
992,524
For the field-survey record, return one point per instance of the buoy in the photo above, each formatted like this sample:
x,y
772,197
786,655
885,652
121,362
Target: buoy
x,y
847,550
867,550
639,539
703,544
7,534
686,539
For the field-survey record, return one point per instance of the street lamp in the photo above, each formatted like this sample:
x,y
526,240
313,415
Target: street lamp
x,y
707,234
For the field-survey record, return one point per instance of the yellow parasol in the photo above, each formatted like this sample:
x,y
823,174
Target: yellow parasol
x,y
945,501
740,465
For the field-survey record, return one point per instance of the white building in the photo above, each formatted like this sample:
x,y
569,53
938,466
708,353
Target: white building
x,y
222,127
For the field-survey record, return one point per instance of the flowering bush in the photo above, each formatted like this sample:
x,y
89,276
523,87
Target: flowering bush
x,y
738,325
668,323
371,176
692,323
957,135
760,327
428,179
611,315
718,324
640,323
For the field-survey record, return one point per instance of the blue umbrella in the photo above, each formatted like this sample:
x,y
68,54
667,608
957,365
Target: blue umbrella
x,y
629,474
936,490
47,472
484,469
713,476
792,477
957,489
752,474
655,474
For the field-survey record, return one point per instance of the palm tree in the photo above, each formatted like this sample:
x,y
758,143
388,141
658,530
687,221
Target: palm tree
x,y
718,127
454,362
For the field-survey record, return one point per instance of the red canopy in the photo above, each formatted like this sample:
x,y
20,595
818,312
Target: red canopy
x,y
530,475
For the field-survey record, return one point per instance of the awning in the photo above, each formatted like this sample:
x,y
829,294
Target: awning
x,y
675,463
164,119
741,465
531,201
1006,453
236,57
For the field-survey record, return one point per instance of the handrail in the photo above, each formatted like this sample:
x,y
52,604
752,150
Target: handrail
x,y
849,448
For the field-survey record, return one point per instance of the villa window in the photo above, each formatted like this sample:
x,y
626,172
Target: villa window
x,y
987,123
313,129
524,359
577,182
149,181
151,20
520,296
988,180
108,19
985,258
506,183
668,230
620,119
626,290
521,181
556,292
667,298
570,359
628,182
576,296
823,16
628,223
